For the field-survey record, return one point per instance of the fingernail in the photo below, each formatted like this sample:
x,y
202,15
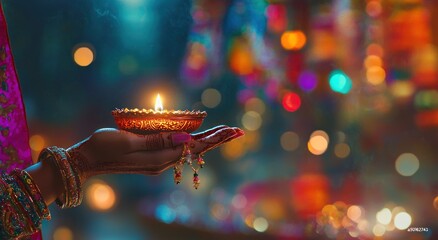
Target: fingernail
x,y
179,138
240,132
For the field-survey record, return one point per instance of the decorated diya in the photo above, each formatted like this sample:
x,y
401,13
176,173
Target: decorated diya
x,y
144,121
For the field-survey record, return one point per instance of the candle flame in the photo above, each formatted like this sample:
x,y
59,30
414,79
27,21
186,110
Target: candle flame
x,y
158,104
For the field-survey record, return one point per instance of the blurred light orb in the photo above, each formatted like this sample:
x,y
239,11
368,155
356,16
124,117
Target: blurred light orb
x,y
291,102
241,59
379,230
255,104
307,81
402,89
354,212
376,75
435,202
100,196
407,164
374,8
318,142
37,142
293,40
234,149
289,141
260,224
211,98
342,150
373,61
384,216
83,56
63,233
219,212
340,82
165,214
251,120
375,49
402,220
239,201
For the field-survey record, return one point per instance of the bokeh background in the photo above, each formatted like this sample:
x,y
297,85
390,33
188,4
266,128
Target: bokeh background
x,y
339,101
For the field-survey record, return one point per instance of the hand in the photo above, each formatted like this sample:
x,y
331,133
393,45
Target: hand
x,y
109,151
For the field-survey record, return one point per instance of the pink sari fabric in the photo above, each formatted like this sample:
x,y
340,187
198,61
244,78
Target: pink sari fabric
x,y
14,136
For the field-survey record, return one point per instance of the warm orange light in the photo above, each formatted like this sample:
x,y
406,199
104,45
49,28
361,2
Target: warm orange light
x,y
158,104
293,40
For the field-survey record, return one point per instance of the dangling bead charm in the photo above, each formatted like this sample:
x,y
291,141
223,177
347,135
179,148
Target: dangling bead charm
x,y
201,161
177,175
196,180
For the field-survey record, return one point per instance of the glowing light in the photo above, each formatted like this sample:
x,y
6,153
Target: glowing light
x,y
255,104
277,17
293,40
407,164
251,120
239,201
340,82
289,141
63,233
234,149
402,89
211,97
318,142
435,202
219,212
83,56
373,61
342,150
291,102
426,99
354,213
241,59
375,49
374,8
376,75
402,220
260,224
158,104
379,230
37,142
307,81
165,213
100,196
384,216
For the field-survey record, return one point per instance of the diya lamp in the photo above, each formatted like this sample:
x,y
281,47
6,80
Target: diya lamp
x,y
147,121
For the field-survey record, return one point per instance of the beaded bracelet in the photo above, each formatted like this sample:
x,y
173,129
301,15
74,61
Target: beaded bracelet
x,y
72,195
24,201
12,215
34,193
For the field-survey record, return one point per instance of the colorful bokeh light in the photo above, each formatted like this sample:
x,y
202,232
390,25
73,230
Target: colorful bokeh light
x,y
307,81
293,40
340,82
291,102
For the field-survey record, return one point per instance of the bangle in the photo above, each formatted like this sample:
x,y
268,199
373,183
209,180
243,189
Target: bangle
x,y
72,195
15,222
34,192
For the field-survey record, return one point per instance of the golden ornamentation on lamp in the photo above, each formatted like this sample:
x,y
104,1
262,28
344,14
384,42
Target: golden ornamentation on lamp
x,y
148,121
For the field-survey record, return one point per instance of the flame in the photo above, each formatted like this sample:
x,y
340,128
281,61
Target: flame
x,y
158,104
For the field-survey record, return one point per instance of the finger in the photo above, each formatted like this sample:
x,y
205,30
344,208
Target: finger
x,y
208,132
213,140
157,141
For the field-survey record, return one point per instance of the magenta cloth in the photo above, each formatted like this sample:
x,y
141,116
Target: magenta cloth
x,y
14,136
